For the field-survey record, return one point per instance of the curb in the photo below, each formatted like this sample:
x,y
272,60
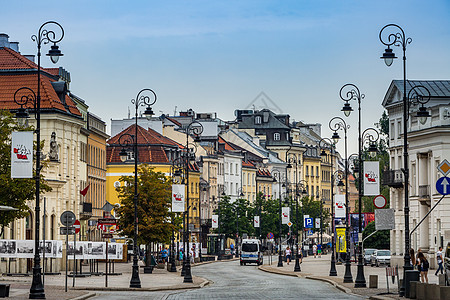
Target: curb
x,y
83,297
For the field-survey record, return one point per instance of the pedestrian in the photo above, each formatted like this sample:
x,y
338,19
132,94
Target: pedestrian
x,y
232,248
424,266
315,250
319,250
181,253
288,255
164,254
439,261
191,254
413,258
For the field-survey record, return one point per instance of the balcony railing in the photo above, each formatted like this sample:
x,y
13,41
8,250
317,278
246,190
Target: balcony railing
x,y
393,178
424,192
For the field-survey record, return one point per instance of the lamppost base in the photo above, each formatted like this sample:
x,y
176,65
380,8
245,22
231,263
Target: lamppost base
x,y
188,276
183,268
360,281
173,267
297,265
135,282
280,262
37,289
348,278
333,271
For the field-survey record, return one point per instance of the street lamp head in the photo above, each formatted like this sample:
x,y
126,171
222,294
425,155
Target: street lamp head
x,y
423,114
54,53
123,155
22,115
340,183
335,137
323,153
356,170
373,149
347,109
148,113
388,56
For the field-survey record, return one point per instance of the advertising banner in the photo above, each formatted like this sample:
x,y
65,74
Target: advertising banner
x,y
215,221
22,154
339,206
256,221
284,215
341,245
371,178
317,223
25,248
178,197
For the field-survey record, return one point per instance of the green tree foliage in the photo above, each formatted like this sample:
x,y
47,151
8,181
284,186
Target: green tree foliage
x,y
235,217
14,192
379,240
154,202
313,208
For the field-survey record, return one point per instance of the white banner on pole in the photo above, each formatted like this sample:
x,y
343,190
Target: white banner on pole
x,y
22,154
317,223
371,178
215,221
178,197
284,215
339,206
256,221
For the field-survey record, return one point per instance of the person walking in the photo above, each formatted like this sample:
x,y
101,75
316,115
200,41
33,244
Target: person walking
x,y
439,261
315,250
319,250
288,255
424,266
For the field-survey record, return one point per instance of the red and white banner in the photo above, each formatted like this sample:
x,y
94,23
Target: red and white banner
x,y
22,154
178,197
215,221
284,215
371,178
256,221
339,206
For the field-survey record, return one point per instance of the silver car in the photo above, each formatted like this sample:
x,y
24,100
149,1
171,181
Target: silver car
x,y
367,255
381,257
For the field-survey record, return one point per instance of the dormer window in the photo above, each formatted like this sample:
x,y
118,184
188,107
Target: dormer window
x,y
257,119
276,136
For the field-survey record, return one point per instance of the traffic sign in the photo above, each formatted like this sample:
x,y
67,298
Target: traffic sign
x,y
107,235
310,232
442,185
379,201
289,224
66,230
107,221
68,218
444,167
308,222
270,235
77,226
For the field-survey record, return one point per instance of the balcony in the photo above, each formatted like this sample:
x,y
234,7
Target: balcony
x,y
393,178
86,213
424,194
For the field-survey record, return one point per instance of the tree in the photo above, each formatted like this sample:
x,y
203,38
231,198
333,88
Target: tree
x,y
154,202
379,240
14,192
313,208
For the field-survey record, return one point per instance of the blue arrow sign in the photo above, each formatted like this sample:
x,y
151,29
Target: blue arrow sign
x,y
443,185
308,222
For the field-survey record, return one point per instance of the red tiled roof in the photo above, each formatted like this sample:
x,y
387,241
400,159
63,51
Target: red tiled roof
x,y
228,147
174,121
147,154
248,164
144,137
10,60
49,99
263,173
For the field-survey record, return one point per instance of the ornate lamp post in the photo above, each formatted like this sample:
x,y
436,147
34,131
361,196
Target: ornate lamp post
x,y
195,128
177,167
399,39
145,97
241,195
222,192
337,123
277,175
44,36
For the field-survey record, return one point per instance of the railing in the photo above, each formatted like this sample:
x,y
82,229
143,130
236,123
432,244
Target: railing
x,y
424,192
393,178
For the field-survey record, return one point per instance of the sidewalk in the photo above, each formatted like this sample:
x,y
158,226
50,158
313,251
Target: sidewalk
x,y
85,287
319,269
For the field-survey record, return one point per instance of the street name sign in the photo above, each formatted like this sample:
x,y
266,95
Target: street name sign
x,y
442,185
107,221
66,230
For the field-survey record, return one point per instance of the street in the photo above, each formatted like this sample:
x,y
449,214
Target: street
x,y
229,280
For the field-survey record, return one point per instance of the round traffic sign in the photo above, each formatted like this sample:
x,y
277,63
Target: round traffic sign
x,y
442,185
77,226
379,201
270,235
68,218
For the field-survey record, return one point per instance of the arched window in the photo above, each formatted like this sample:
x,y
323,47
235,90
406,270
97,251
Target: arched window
x,y
257,119
276,136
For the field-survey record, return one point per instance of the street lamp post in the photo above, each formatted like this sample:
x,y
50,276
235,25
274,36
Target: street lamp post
x,y
292,159
222,192
277,175
399,39
144,97
44,36
324,155
177,166
195,128
241,195
335,124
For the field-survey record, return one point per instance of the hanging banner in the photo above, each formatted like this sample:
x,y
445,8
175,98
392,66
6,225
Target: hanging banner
x,y
317,223
215,221
256,221
339,206
178,197
341,245
371,178
22,154
284,215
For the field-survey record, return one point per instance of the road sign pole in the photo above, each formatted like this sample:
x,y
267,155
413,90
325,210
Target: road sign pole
x,y
67,256
74,258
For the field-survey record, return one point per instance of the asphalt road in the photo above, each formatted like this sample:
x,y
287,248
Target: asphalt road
x,y
229,280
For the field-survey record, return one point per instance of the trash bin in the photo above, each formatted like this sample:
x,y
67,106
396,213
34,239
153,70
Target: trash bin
x,y
410,275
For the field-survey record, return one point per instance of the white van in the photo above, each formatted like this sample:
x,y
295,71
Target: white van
x,y
251,252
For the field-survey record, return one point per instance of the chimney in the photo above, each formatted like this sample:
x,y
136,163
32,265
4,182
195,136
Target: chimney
x,y
30,57
14,46
4,40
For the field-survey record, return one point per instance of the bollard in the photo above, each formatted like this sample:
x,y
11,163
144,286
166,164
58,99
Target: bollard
x,y
373,281
410,275
444,292
420,292
441,279
432,291
413,289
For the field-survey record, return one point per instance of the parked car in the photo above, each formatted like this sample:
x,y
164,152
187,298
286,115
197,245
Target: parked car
x,y
367,255
447,265
381,257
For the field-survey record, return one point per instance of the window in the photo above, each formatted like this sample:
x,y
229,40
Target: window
x,y
399,128
276,136
307,171
317,171
312,170
392,130
257,119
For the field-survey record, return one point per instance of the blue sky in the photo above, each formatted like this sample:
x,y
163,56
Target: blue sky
x,y
217,56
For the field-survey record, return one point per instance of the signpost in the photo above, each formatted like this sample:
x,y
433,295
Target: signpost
x,y
309,222
379,201
442,185
77,226
67,219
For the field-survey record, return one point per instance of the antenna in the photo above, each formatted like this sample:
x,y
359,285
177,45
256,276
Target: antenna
x,y
128,112
175,111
